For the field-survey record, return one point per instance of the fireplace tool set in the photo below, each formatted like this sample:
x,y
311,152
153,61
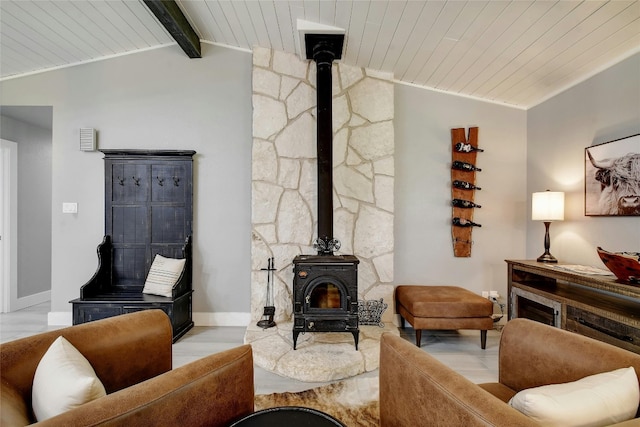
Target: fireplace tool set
x,y
269,309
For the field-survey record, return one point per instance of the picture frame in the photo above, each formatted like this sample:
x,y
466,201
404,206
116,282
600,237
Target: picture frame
x,y
612,178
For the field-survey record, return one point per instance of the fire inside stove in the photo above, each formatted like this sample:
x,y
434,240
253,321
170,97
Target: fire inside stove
x,y
325,294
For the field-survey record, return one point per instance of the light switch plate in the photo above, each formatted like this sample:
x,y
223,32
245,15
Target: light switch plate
x,y
68,207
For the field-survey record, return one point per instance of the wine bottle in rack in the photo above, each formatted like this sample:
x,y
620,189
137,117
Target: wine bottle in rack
x,y
464,166
461,222
464,185
466,204
462,147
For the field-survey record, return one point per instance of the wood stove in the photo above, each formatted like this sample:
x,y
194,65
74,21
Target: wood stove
x,y
325,294
325,286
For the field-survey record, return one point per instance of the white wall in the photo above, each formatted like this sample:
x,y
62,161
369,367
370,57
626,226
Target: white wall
x,y
601,109
34,200
424,251
158,99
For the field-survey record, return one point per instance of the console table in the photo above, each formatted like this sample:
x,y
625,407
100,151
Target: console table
x,y
599,307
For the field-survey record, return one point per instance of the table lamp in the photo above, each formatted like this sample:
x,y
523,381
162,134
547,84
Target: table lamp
x,y
547,206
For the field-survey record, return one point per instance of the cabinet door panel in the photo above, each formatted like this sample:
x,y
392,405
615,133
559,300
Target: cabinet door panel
x,y
129,224
168,224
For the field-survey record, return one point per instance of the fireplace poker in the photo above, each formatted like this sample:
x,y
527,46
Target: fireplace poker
x,y
269,309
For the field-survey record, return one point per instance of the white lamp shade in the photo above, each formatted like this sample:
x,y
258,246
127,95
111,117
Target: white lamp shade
x,y
547,206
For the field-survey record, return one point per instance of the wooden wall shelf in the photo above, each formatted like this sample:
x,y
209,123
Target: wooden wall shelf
x,y
462,236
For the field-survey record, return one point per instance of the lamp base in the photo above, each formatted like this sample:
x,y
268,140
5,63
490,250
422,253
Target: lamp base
x,y
547,257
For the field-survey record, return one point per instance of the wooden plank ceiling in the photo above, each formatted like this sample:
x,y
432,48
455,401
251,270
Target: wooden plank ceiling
x,y
514,52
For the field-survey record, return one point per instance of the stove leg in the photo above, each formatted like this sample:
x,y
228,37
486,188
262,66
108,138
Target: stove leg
x,y
295,338
356,336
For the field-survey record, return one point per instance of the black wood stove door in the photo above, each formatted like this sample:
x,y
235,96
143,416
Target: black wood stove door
x,y
325,294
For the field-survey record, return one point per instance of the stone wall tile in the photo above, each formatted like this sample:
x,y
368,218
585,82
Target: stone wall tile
x,y
264,165
301,99
294,223
267,233
287,85
266,82
350,204
298,140
343,229
373,232
289,64
353,158
261,56
384,267
367,277
349,75
365,169
378,74
352,184
269,116
289,173
340,111
383,191
264,202
385,166
372,99
259,249
309,186
357,120
340,141
374,141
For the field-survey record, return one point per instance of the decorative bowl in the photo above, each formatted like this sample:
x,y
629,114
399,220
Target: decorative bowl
x,y
625,265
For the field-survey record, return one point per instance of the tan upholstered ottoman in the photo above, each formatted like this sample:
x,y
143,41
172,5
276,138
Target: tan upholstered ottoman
x,y
443,307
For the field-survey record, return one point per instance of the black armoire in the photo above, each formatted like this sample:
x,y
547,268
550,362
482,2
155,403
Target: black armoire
x,y
148,211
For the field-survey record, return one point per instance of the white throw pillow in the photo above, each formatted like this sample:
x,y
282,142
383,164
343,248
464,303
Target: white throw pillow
x,y
64,380
164,273
596,400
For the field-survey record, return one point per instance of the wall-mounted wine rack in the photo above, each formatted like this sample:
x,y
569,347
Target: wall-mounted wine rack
x,y
463,188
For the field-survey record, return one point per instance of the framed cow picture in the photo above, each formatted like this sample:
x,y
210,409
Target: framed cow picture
x,y
612,178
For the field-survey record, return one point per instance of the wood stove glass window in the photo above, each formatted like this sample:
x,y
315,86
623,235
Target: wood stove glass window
x,y
325,295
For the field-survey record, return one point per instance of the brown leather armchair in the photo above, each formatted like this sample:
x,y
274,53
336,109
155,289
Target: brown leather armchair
x,y
416,389
132,356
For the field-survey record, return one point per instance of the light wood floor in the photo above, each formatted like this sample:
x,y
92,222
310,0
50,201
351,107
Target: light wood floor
x,y
459,350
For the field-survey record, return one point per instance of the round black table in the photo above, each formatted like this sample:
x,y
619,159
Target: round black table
x,y
288,416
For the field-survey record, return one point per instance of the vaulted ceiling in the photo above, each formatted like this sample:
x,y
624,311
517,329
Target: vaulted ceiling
x,y
514,52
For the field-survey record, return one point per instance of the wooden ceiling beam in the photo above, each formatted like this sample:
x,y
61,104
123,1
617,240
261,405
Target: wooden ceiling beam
x,y
170,15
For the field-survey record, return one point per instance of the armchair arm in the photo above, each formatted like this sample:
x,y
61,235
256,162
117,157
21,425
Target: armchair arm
x,y
533,354
212,391
416,389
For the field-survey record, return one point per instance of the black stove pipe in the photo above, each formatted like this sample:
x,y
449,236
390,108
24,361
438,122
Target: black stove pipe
x,y
324,57
324,49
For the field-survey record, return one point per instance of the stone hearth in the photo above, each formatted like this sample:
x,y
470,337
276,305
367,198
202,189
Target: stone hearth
x,y
320,356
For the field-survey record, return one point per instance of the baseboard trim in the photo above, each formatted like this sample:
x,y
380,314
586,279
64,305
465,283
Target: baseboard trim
x,y
222,319
65,318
